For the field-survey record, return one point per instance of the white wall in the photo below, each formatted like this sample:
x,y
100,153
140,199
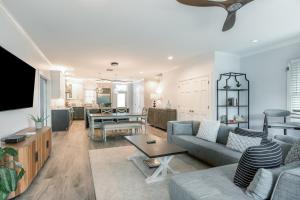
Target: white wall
x,y
202,66
150,86
14,39
210,65
268,84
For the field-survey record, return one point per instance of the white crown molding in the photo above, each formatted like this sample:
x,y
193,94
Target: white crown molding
x,y
22,31
271,46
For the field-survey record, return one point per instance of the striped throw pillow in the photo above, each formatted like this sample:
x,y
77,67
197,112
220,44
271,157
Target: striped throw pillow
x,y
264,156
252,133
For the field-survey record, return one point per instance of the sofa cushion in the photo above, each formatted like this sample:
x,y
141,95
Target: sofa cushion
x,y
252,133
261,185
287,138
223,133
294,153
213,153
264,156
287,186
213,184
241,143
285,147
265,179
209,130
183,129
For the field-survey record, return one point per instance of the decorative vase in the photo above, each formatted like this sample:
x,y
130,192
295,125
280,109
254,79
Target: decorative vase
x,y
168,106
39,125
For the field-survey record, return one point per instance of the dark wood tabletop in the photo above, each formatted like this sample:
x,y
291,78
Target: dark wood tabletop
x,y
159,149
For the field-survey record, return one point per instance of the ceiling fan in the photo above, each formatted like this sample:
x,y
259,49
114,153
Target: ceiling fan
x,y
231,6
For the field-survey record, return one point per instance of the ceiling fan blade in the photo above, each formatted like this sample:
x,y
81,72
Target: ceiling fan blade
x,y
244,2
201,3
230,21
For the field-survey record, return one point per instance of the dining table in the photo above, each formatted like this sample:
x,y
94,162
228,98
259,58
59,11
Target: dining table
x,y
113,116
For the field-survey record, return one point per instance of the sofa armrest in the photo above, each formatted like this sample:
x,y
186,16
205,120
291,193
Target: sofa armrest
x,y
171,130
287,186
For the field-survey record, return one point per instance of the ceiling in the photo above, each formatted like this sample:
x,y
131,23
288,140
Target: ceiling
x,y
87,35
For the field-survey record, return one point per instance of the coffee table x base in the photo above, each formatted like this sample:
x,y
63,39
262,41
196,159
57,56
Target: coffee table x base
x,y
161,172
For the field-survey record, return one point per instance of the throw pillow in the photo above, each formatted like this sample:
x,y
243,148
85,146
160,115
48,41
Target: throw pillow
x,y
264,156
286,147
208,130
183,129
252,133
241,143
294,153
260,187
265,179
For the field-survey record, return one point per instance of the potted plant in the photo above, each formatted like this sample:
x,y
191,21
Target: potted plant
x,y
11,172
39,121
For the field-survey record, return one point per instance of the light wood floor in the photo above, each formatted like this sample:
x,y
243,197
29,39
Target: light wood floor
x,y
67,174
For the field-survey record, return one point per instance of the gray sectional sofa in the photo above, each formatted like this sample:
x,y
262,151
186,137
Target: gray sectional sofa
x,y
217,183
215,154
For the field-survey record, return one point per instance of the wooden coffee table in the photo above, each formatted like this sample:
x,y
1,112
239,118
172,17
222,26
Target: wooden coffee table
x,y
161,150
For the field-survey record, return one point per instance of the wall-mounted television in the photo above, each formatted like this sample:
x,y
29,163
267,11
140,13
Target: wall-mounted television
x,y
17,80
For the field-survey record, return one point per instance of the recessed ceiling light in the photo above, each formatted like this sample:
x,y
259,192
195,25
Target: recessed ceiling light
x,y
141,72
255,41
170,58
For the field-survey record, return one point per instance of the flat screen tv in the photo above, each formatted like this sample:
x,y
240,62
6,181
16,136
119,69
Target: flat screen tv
x,y
17,80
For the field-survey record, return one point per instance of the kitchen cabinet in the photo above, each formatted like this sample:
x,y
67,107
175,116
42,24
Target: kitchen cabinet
x,y
61,119
57,85
78,113
74,91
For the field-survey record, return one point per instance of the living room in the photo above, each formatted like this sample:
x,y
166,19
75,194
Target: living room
x,y
118,103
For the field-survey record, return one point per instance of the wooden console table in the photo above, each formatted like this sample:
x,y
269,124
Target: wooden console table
x,y
159,117
32,154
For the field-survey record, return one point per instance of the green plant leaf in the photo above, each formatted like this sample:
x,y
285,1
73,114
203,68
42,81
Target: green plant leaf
x,y
10,151
21,174
2,153
3,195
8,179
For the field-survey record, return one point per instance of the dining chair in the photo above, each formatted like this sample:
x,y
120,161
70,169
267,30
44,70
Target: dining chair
x,y
122,110
96,124
143,120
107,111
275,113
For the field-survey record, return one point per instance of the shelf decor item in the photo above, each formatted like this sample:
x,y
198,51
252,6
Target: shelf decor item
x,y
154,97
230,101
39,121
233,88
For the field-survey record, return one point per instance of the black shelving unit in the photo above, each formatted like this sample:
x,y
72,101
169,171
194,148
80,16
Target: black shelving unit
x,y
240,89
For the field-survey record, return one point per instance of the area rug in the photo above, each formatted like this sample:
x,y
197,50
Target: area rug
x,y
116,178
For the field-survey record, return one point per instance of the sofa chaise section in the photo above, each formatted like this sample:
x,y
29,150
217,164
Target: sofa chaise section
x,y
210,184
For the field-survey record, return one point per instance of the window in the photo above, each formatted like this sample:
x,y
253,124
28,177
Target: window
x,y
90,96
121,100
293,89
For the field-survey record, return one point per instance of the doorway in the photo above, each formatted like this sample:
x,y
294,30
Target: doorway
x,y
193,98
